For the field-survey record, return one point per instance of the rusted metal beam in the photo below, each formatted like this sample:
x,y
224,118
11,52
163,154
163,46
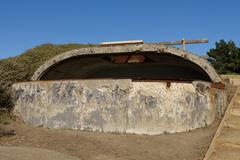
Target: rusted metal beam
x,y
168,84
129,59
218,85
121,59
136,59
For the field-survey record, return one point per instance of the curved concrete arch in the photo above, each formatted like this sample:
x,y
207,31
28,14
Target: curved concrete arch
x,y
136,48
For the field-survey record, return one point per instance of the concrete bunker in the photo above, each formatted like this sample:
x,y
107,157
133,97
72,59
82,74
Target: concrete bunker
x,y
135,88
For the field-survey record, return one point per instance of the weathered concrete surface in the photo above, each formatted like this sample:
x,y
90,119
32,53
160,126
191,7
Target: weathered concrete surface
x,y
138,48
234,80
226,142
29,153
118,105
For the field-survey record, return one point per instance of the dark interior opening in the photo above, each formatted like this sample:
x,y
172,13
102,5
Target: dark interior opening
x,y
141,66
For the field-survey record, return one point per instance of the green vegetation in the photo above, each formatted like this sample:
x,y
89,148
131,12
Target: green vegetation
x,y
21,68
225,57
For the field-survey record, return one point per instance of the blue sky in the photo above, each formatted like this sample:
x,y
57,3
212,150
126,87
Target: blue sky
x,y
27,23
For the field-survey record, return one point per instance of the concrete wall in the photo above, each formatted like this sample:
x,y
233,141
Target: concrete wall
x,y
118,105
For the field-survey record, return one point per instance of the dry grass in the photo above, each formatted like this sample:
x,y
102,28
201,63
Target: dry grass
x,y
22,67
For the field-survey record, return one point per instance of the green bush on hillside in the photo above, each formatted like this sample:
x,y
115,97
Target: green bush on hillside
x,y
21,68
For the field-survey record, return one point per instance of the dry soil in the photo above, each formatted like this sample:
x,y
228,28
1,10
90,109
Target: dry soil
x,y
106,146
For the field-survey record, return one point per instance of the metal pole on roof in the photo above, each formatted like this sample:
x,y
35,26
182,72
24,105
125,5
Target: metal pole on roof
x,y
183,44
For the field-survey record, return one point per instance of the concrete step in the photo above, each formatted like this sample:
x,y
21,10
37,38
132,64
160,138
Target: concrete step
x,y
226,144
235,111
229,145
232,122
227,154
238,94
229,137
237,100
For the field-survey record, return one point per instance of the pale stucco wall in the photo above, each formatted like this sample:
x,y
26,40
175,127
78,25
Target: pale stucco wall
x,y
118,105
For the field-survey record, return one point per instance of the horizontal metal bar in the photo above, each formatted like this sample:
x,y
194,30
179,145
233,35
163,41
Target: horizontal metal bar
x,y
180,42
122,42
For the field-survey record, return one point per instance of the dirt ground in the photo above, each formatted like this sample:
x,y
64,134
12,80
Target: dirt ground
x,y
105,146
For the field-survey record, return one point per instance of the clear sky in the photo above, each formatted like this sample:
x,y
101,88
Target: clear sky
x,y
27,23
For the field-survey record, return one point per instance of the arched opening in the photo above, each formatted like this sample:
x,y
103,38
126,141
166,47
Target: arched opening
x,y
136,66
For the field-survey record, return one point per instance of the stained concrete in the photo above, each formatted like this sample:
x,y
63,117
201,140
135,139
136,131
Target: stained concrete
x,y
118,105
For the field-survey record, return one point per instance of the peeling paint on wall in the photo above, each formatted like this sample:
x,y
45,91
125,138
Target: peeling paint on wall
x,y
118,105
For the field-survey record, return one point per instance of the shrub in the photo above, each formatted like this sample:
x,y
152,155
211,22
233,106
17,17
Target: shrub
x,y
22,67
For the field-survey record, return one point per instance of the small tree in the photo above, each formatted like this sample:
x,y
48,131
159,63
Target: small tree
x,y
225,57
